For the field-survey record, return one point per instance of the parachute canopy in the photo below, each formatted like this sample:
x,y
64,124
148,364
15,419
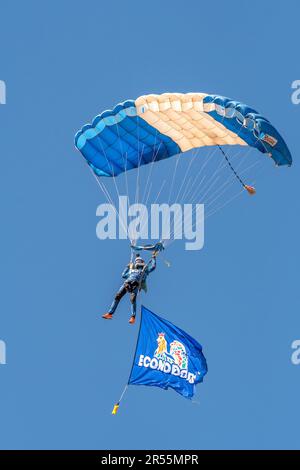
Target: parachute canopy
x,y
155,127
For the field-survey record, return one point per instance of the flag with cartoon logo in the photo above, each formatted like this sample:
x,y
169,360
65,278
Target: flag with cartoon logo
x,y
167,357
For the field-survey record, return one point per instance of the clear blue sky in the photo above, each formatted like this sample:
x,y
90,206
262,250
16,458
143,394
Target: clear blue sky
x,y
64,62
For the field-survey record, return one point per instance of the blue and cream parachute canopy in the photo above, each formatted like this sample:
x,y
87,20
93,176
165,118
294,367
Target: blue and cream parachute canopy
x,y
156,127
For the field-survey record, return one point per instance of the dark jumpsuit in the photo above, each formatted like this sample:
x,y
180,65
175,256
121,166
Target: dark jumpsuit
x,y
133,281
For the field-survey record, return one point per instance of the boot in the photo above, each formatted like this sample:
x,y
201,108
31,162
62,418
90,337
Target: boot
x,y
107,316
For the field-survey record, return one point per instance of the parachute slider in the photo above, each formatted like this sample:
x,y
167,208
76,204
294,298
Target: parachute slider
x,y
157,247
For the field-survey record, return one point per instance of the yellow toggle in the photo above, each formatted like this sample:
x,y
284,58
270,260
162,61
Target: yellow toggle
x,y
116,407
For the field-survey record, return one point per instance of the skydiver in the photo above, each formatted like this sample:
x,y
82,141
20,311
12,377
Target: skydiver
x,y
135,275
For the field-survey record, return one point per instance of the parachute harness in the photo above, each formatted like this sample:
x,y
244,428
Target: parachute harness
x,y
156,249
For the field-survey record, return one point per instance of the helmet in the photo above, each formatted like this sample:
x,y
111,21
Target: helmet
x,y
139,263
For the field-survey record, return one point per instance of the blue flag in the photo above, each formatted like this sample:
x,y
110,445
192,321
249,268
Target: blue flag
x,y
166,356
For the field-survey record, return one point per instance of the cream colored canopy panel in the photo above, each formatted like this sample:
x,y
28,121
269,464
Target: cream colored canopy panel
x,y
184,118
